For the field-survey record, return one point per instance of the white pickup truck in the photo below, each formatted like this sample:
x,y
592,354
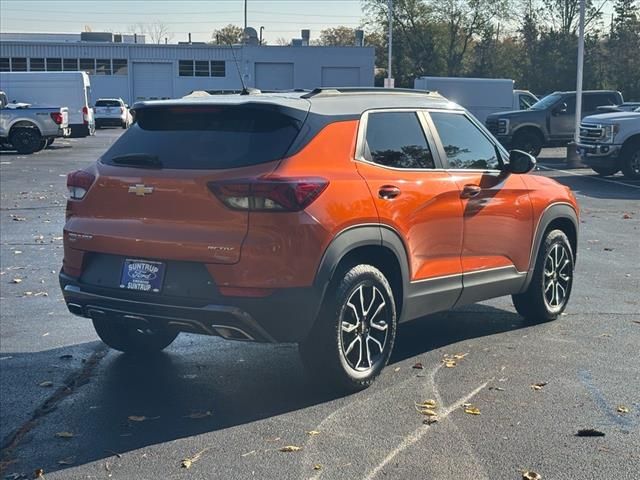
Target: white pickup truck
x,y
29,129
610,142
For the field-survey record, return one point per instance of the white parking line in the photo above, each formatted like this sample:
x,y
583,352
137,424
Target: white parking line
x,y
422,431
615,182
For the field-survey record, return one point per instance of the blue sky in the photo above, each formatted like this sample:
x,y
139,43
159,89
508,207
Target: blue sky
x,y
281,18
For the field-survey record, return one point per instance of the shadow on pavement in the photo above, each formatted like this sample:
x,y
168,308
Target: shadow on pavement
x,y
592,186
201,386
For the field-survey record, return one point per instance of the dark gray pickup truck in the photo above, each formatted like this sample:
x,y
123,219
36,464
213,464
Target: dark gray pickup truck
x,y
549,122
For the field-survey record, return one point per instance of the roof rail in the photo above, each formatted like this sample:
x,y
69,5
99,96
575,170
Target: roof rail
x,y
342,90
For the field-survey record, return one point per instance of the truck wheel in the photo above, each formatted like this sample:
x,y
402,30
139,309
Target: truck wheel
x,y
631,161
129,339
26,140
605,171
50,142
550,288
352,338
528,141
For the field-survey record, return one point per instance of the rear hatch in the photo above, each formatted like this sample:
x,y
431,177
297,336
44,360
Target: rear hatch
x,y
152,196
108,109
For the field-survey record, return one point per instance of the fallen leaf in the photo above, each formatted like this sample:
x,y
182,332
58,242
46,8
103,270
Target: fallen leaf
x,y
428,412
589,432
187,462
427,404
140,418
530,475
497,389
460,356
290,448
397,369
418,366
538,386
67,461
46,383
471,410
38,473
626,216
198,415
313,432
16,280
622,409
65,435
608,249
317,467
430,420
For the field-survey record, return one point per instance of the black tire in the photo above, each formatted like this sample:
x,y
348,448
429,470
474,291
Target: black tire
x,y
549,291
631,161
125,125
50,142
329,353
43,145
605,171
129,339
528,141
25,139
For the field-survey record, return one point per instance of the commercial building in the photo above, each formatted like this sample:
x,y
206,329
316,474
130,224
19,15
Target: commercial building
x,y
121,66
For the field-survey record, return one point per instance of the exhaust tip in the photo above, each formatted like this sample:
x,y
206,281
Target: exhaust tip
x,y
75,309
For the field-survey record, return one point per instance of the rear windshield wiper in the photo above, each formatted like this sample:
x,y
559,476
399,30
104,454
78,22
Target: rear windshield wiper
x,y
142,160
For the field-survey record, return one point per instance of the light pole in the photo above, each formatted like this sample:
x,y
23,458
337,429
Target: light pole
x,y
245,14
579,73
389,82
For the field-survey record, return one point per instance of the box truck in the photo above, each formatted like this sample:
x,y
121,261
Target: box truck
x,y
67,89
481,96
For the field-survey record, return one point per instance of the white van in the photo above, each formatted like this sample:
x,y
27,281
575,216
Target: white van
x,y
481,96
66,89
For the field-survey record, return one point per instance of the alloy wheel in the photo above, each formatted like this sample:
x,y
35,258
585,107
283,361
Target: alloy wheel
x,y
634,163
364,328
557,277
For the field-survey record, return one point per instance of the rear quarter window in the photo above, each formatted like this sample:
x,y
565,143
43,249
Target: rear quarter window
x,y
208,137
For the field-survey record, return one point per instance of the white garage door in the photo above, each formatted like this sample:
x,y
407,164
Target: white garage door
x,y
152,81
340,76
274,76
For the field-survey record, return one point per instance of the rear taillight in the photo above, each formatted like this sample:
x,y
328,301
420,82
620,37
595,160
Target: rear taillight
x,y
56,117
276,194
78,183
85,115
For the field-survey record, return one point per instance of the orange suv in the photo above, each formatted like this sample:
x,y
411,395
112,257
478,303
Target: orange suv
x,y
324,218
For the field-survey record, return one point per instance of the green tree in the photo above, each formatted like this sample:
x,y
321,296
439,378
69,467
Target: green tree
x,y
340,36
623,48
229,35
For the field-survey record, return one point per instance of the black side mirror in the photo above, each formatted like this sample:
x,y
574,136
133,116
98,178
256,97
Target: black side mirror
x,y
520,162
560,109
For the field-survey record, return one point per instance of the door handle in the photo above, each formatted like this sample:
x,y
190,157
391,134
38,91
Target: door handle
x,y
388,192
470,191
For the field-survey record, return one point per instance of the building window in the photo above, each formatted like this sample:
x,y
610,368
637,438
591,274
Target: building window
x,y
202,68
88,65
70,64
5,65
36,64
54,64
218,68
120,66
18,64
103,66
185,68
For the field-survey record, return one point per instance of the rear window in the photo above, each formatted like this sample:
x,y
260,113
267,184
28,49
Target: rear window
x,y
208,137
107,103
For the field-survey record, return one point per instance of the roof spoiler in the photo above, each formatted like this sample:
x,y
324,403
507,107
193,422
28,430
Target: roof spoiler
x,y
325,92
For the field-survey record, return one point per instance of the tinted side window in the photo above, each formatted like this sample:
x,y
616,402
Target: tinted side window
x,y
595,100
396,139
465,145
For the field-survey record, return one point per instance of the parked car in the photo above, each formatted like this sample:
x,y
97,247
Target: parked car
x,y
549,122
481,96
323,218
625,107
69,89
112,112
610,142
30,129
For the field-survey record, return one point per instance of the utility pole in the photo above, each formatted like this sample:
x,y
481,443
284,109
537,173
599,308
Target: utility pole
x,y
245,14
580,73
389,82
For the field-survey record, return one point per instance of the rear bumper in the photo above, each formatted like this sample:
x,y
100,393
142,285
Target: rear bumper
x,y
285,316
109,121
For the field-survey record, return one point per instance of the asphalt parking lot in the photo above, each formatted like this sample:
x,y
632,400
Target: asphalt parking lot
x,y
78,410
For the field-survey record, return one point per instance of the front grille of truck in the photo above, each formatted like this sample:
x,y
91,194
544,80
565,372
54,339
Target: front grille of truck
x,y
492,126
590,133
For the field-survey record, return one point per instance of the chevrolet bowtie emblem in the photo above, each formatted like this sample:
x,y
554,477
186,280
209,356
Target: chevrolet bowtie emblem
x,y
140,190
